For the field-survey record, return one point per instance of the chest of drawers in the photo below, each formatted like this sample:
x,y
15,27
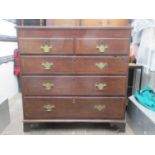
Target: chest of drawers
x,y
74,74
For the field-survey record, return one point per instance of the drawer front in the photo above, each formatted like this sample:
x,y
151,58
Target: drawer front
x,y
101,65
102,46
74,65
72,85
74,108
46,65
46,46
57,32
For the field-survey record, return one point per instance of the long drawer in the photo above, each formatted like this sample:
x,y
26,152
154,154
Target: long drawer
x,y
74,32
74,108
74,85
102,46
46,46
74,65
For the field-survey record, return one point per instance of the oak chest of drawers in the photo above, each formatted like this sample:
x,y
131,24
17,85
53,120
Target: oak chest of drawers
x,y
74,74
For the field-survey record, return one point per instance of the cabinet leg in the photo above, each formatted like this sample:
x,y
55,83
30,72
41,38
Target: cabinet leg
x,y
26,127
121,127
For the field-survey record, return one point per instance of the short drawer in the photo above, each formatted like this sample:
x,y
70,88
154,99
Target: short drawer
x,y
46,65
46,46
102,46
101,65
74,65
74,85
74,108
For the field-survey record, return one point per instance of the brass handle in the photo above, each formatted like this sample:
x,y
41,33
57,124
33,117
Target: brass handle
x,y
101,65
48,86
99,107
100,86
47,65
102,48
46,48
48,107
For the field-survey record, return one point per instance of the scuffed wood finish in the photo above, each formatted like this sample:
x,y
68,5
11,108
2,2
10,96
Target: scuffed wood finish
x,y
57,46
78,65
74,85
74,108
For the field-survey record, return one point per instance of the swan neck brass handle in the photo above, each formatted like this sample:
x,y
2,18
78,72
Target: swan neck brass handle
x,y
47,65
100,86
46,48
48,86
99,107
102,48
101,65
49,107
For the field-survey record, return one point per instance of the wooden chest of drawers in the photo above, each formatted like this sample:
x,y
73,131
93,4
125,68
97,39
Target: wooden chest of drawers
x,y
74,74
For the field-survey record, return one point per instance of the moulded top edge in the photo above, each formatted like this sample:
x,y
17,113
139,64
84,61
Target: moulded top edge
x,y
72,27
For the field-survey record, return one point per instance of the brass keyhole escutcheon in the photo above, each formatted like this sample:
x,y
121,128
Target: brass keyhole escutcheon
x,y
101,65
102,48
100,86
47,65
49,107
99,107
46,48
48,86
73,101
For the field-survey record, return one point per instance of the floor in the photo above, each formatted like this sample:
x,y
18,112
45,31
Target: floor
x,y
15,126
